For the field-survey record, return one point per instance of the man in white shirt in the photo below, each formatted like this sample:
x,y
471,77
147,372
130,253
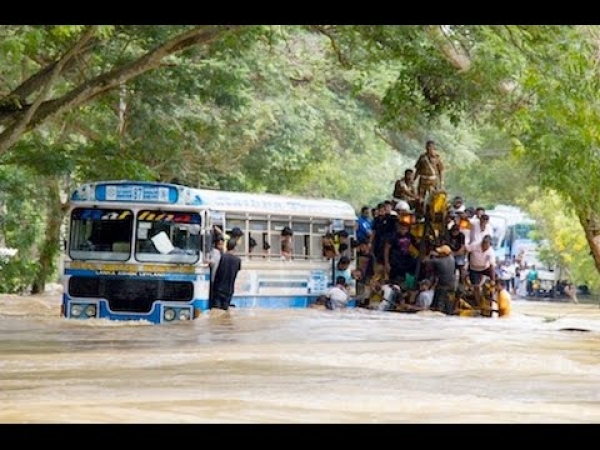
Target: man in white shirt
x,y
482,264
424,296
480,228
337,296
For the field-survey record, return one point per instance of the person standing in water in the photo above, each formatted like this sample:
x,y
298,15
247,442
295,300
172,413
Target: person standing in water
x,y
224,284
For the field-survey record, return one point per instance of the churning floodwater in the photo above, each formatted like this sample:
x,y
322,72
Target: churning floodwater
x,y
301,366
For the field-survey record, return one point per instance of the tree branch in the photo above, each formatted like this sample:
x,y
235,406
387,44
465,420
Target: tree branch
x,y
327,31
14,132
28,118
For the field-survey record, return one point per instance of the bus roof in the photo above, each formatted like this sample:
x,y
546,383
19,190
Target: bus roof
x,y
147,192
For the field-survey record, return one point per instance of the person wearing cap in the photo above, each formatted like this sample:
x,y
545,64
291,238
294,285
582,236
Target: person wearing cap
x,y
457,206
235,233
441,262
224,283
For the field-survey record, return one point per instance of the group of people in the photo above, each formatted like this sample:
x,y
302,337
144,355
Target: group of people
x,y
393,259
462,262
397,267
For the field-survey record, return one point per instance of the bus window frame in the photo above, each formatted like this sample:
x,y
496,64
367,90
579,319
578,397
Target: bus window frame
x,y
86,230
184,255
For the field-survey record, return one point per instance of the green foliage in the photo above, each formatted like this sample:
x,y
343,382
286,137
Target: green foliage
x,y
21,226
566,243
557,132
335,110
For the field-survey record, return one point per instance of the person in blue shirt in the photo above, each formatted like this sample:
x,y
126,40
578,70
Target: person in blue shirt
x,y
342,269
364,227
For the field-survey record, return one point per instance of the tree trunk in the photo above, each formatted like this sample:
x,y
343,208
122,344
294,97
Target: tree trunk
x,y
50,247
591,226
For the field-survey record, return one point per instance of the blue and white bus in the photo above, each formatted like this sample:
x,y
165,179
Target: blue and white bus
x,y
138,250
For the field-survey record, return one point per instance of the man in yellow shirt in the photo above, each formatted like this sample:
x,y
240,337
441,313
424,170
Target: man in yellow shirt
x,y
503,298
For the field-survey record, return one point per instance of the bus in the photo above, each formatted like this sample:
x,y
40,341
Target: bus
x,y
512,231
138,250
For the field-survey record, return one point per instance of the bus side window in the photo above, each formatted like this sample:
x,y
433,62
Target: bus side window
x,y
287,245
301,241
252,245
275,238
318,230
266,247
258,230
275,244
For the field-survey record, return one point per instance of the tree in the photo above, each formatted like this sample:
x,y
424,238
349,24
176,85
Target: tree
x,y
81,65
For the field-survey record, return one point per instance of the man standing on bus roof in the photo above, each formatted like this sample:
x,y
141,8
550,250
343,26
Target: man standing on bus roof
x,y
224,284
429,171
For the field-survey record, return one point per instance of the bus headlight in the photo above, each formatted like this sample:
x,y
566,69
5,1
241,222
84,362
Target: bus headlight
x,y
184,314
76,310
169,314
90,311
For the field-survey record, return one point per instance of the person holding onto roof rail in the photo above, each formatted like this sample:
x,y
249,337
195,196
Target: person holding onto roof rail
x,y
224,283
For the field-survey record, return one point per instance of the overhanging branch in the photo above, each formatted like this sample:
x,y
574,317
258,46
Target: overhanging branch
x,y
30,117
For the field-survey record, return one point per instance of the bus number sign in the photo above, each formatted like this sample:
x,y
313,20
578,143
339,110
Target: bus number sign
x,y
136,193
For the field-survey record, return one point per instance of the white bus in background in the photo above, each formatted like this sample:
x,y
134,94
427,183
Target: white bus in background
x,y
512,228
515,239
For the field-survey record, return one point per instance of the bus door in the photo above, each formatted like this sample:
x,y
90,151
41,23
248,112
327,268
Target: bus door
x,y
215,219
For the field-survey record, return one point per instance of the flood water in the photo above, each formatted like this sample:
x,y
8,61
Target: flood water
x,y
301,366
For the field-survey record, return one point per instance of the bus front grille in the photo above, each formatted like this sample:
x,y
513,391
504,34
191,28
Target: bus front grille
x,y
131,295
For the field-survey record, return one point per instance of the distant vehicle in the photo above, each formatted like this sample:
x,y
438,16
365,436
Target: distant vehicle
x,y
6,252
512,231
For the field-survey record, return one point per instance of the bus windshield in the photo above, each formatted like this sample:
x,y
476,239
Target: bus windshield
x,y
106,234
98,233
168,237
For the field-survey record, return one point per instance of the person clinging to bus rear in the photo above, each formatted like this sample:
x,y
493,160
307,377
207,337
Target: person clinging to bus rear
x,y
224,284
